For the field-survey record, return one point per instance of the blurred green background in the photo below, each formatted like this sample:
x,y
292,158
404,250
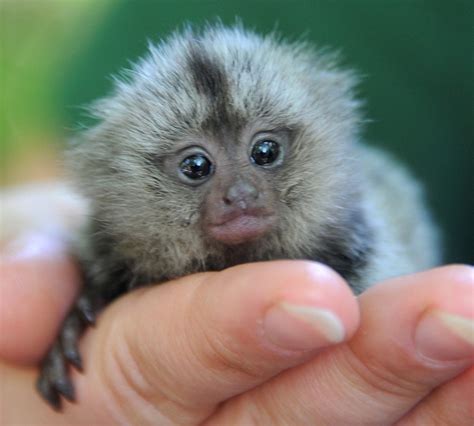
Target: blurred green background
x,y
416,58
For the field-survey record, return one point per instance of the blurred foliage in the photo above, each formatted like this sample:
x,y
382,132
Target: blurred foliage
x,y
415,56
38,41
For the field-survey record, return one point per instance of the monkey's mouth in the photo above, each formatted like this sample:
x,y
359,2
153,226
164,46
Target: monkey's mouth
x,y
241,229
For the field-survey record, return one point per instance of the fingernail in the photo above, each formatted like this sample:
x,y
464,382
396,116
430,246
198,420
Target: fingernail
x,y
300,327
31,246
444,336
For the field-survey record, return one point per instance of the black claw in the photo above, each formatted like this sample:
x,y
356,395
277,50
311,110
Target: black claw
x,y
74,357
86,309
72,330
65,388
50,395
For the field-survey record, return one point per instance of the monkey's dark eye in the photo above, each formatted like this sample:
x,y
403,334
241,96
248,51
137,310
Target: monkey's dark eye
x,y
196,167
265,152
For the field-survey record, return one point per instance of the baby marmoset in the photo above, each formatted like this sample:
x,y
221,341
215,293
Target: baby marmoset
x,y
223,147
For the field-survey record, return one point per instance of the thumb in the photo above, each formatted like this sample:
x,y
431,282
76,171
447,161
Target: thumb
x,y
38,280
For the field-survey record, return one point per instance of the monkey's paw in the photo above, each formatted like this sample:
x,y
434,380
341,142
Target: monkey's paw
x,y
54,379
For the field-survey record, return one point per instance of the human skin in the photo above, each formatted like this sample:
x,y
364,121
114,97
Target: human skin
x,y
280,342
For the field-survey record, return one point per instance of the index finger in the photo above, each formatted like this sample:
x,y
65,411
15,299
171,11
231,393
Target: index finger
x,y
178,350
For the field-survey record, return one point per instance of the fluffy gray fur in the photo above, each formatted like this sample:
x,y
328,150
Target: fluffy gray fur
x,y
335,200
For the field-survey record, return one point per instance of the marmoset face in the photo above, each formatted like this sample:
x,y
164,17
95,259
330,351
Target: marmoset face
x,y
234,180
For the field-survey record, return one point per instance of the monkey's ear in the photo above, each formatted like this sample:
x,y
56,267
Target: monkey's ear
x,y
337,88
329,71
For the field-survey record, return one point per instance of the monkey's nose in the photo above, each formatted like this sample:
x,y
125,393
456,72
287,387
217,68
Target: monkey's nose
x,y
240,195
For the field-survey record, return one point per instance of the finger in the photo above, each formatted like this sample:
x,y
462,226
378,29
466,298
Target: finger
x,y
450,405
38,282
176,351
415,334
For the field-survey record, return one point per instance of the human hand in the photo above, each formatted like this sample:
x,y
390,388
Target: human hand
x,y
375,378
199,350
